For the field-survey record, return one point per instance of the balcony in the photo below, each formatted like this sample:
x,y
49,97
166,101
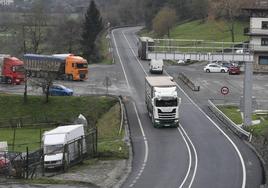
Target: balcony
x,y
258,48
255,32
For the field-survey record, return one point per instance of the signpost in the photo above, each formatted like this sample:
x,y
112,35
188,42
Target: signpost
x,y
224,92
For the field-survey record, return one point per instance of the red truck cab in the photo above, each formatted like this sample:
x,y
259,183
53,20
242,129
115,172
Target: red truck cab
x,y
12,70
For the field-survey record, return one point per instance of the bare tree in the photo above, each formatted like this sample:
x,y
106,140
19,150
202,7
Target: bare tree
x,y
164,20
44,82
229,10
36,22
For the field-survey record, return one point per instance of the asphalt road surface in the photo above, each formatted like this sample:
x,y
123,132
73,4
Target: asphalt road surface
x,y
198,154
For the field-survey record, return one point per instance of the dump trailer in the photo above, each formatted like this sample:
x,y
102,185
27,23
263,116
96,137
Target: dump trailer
x,y
144,44
60,147
11,70
162,101
67,67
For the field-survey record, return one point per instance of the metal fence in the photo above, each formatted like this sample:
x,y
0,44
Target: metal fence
x,y
32,164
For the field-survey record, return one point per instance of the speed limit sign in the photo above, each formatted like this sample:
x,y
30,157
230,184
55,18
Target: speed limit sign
x,y
224,90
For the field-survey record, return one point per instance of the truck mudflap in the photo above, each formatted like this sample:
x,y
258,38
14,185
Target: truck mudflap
x,y
166,123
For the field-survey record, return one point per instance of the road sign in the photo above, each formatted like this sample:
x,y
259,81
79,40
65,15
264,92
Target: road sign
x,y
224,90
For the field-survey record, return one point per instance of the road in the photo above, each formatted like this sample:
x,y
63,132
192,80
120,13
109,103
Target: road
x,y
198,154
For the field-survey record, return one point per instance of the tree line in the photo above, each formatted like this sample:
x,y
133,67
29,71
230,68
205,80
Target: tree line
x,y
39,32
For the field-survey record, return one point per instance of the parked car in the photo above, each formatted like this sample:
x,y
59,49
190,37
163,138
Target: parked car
x,y
234,70
212,67
223,63
60,90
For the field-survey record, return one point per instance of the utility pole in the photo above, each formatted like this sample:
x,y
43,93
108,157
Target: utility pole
x,y
248,84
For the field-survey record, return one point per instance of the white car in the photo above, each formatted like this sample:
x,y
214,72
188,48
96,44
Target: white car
x,y
212,67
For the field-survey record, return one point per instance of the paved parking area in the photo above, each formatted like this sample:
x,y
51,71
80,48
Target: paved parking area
x,y
211,83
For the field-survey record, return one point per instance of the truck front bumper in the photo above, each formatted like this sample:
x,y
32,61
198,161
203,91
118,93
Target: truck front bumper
x,y
166,123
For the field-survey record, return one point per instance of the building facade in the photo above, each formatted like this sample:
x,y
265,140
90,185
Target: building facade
x,y
258,33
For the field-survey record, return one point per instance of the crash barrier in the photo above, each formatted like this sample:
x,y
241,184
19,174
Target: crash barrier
x,y
188,82
29,165
229,123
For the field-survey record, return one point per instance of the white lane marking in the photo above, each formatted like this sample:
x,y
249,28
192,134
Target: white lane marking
x,y
228,138
188,148
122,65
190,159
195,154
146,148
140,125
134,53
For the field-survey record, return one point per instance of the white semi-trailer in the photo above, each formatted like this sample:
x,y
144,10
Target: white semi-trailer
x,y
162,101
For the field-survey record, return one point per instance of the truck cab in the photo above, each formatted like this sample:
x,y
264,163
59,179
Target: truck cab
x,y
162,101
12,70
76,67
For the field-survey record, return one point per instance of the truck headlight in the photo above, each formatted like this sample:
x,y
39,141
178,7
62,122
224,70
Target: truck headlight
x,y
176,120
157,121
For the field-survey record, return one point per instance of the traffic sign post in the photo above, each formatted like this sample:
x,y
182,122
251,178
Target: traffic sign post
x,y
224,92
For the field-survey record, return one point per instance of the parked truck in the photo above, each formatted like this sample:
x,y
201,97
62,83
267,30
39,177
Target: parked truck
x,y
144,44
61,145
11,70
162,101
156,66
67,66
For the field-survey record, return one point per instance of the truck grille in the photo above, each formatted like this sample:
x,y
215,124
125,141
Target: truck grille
x,y
167,115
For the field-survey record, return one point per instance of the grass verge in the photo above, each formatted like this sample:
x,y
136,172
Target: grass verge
x,y
60,109
234,114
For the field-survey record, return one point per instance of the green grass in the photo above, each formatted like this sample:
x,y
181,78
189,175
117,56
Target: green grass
x,y
234,114
111,144
60,109
104,50
210,30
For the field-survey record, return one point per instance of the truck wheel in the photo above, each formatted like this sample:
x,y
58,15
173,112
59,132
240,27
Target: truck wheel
x,y
71,77
9,80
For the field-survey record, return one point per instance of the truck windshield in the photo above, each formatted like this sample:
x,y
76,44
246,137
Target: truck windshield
x,y
166,103
53,149
81,65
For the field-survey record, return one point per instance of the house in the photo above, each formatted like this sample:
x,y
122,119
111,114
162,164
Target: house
x,y
258,33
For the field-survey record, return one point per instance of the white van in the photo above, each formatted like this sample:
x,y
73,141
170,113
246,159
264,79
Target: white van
x,y
55,140
156,66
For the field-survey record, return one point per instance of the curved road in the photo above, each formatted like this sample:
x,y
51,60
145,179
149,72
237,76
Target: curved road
x,y
198,154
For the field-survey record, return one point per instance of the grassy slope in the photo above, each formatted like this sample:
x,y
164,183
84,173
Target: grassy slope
x,y
111,142
209,30
59,109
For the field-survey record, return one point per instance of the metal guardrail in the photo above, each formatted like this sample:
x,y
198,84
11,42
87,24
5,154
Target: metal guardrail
x,y
188,82
227,121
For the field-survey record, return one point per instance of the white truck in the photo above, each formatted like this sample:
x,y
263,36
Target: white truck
x,y
156,66
162,101
55,141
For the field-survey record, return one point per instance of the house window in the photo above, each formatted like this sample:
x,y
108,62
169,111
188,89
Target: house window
x,y
263,60
264,41
264,25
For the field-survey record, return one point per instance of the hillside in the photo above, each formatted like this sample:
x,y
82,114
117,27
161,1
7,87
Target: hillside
x,y
208,30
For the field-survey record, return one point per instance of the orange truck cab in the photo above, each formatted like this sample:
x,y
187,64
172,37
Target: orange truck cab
x,y
11,70
76,68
